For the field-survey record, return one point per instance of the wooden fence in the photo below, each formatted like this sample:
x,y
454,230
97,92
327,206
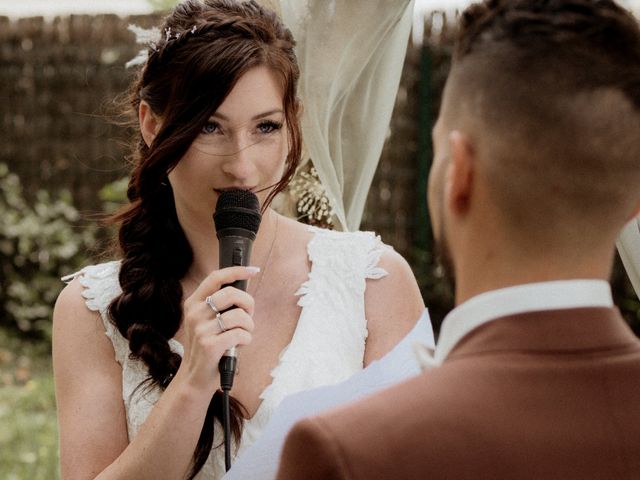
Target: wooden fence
x,y
58,83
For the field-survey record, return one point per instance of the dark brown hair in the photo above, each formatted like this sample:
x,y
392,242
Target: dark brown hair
x,y
205,48
551,89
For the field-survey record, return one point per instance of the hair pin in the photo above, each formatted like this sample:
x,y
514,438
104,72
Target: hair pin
x,y
151,37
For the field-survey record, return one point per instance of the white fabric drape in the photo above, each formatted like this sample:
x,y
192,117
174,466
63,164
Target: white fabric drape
x,y
629,249
351,54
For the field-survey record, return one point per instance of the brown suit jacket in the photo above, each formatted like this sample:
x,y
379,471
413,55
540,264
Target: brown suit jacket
x,y
544,395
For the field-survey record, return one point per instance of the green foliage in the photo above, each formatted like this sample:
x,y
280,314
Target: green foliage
x,y
114,195
39,242
29,436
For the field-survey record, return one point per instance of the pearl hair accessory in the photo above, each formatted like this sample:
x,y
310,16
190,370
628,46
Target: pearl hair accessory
x,y
151,37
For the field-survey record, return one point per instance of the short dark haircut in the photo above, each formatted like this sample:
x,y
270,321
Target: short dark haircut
x,y
551,91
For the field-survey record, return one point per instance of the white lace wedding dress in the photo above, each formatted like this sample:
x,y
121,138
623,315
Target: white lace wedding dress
x,y
327,346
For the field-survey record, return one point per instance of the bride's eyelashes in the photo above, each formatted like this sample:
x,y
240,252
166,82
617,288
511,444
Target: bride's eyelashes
x,y
264,127
269,126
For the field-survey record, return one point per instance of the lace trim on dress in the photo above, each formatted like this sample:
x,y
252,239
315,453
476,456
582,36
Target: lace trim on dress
x,y
332,328
100,286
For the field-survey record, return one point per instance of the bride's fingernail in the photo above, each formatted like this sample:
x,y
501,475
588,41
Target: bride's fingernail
x,y
253,269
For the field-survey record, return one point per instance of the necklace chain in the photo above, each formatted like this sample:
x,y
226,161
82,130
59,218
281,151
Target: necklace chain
x,y
264,266
263,270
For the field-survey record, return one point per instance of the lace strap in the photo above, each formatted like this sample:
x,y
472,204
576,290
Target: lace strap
x,y
329,341
359,250
375,250
341,262
100,286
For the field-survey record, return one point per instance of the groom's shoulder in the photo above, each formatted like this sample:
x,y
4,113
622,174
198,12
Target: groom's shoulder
x,y
408,420
434,394
461,386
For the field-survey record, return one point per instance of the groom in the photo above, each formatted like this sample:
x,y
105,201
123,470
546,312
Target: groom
x,y
536,171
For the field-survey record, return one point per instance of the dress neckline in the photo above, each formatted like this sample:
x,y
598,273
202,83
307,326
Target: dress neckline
x,y
179,348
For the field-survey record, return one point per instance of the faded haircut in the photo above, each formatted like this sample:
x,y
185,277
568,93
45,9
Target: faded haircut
x,y
549,91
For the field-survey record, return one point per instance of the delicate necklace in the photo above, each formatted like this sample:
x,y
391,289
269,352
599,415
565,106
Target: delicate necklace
x,y
263,270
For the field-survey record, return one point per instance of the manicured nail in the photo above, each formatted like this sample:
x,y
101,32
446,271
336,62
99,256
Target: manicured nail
x,y
253,269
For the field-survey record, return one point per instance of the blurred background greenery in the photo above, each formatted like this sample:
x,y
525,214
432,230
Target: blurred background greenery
x,y
28,436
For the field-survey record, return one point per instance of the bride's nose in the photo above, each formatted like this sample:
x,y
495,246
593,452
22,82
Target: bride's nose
x,y
240,165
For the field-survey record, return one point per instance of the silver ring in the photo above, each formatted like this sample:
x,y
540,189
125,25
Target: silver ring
x,y
209,301
223,328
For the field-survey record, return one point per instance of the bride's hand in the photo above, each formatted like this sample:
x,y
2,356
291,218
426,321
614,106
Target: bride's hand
x,y
206,341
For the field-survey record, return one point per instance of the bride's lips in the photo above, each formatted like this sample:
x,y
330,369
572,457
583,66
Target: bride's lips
x,y
220,190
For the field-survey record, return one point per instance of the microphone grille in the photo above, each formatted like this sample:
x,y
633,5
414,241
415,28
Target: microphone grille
x,y
237,209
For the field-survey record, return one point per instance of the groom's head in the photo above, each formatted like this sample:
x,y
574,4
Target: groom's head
x,y
538,138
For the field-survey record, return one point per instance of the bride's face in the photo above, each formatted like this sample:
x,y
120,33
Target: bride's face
x,y
243,145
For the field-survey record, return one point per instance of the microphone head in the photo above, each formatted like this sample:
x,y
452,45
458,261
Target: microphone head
x,y
237,209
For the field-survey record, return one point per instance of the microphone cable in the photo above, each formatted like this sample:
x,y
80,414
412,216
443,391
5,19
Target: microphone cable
x,y
227,368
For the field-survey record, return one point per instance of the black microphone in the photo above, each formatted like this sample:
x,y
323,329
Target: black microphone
x,y
237,219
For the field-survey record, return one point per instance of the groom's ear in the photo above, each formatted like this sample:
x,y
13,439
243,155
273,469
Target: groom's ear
x,y
461,174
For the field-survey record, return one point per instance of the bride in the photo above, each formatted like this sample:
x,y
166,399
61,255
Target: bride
x,y
216,107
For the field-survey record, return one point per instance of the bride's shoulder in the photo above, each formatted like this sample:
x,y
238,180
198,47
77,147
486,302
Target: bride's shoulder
x,y
294,233
77,310
94,285
363,241
303,238
102,270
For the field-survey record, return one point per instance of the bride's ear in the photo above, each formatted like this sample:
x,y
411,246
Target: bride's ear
x,y
149,123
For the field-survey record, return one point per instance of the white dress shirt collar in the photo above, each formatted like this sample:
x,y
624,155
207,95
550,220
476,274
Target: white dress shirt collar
x,y
488,306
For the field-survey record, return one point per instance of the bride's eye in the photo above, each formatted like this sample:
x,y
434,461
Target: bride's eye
x,y
210,127
269,126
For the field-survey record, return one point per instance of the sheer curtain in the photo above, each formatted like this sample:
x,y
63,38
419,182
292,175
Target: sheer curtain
x,y
351,54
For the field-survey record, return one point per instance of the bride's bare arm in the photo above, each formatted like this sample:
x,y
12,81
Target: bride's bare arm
x,y
91,414
91,417
393,305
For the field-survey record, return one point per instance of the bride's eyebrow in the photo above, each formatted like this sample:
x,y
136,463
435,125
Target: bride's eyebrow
x,y
255,117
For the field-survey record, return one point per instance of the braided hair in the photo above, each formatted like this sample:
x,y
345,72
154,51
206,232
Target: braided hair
x,y
205,48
